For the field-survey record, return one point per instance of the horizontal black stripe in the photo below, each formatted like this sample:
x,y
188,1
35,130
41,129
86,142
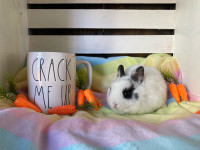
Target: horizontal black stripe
x,y
60,31
113,55
104,6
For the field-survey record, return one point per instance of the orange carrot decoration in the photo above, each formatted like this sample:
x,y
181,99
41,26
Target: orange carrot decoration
x,y
63,110
80,98
21,95
198,112
21,101
91,98
182,91
174,91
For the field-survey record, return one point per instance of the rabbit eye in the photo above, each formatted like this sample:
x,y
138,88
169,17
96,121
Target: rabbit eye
x,y
128,92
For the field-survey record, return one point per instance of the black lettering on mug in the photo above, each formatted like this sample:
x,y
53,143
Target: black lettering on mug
x,y
69,88
65,96
48,96
38,93
41,70
58,70
62,95
32,69
51,64
64,102
67,70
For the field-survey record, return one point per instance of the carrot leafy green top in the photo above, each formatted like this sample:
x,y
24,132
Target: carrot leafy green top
x,y
169,77
12,89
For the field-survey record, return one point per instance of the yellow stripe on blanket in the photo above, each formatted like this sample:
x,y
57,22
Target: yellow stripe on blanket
x,y
173,111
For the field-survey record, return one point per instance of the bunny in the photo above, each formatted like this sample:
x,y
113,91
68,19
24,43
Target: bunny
x,y
137,90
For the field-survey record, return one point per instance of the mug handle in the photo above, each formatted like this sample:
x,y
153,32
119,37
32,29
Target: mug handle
x,y
89,74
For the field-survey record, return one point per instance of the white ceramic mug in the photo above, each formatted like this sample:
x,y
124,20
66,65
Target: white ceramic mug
x,y
52,78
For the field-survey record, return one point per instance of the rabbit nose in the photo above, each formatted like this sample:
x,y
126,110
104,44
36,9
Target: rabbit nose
x,y
115,105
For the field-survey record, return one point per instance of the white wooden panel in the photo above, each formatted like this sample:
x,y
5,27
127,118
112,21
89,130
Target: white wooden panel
x,y
103,44
187,43
13,36
100,1
139,19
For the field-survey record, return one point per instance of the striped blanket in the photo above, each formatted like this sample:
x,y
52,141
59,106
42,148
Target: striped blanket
x,y
173,127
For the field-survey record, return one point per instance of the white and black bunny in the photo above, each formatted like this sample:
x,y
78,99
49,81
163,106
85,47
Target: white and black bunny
x,y
137,90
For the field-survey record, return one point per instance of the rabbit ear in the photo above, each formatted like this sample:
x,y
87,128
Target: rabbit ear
x,y
120,71
138,75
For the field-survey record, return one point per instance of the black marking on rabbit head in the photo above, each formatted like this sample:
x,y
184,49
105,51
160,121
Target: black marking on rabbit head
x,y
138,76
120,71
128,92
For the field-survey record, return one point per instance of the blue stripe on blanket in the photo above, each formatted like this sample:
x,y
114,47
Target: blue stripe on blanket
x,y
8,141
159,143
97,60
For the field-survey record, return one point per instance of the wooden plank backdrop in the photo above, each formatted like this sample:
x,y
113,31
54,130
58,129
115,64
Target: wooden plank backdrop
x,y
103,44
120,19
101,29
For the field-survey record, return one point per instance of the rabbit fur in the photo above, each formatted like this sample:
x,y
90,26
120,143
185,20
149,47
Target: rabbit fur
x,y
137,90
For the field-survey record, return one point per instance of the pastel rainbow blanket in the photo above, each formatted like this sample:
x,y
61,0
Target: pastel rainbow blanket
x,y
173,127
